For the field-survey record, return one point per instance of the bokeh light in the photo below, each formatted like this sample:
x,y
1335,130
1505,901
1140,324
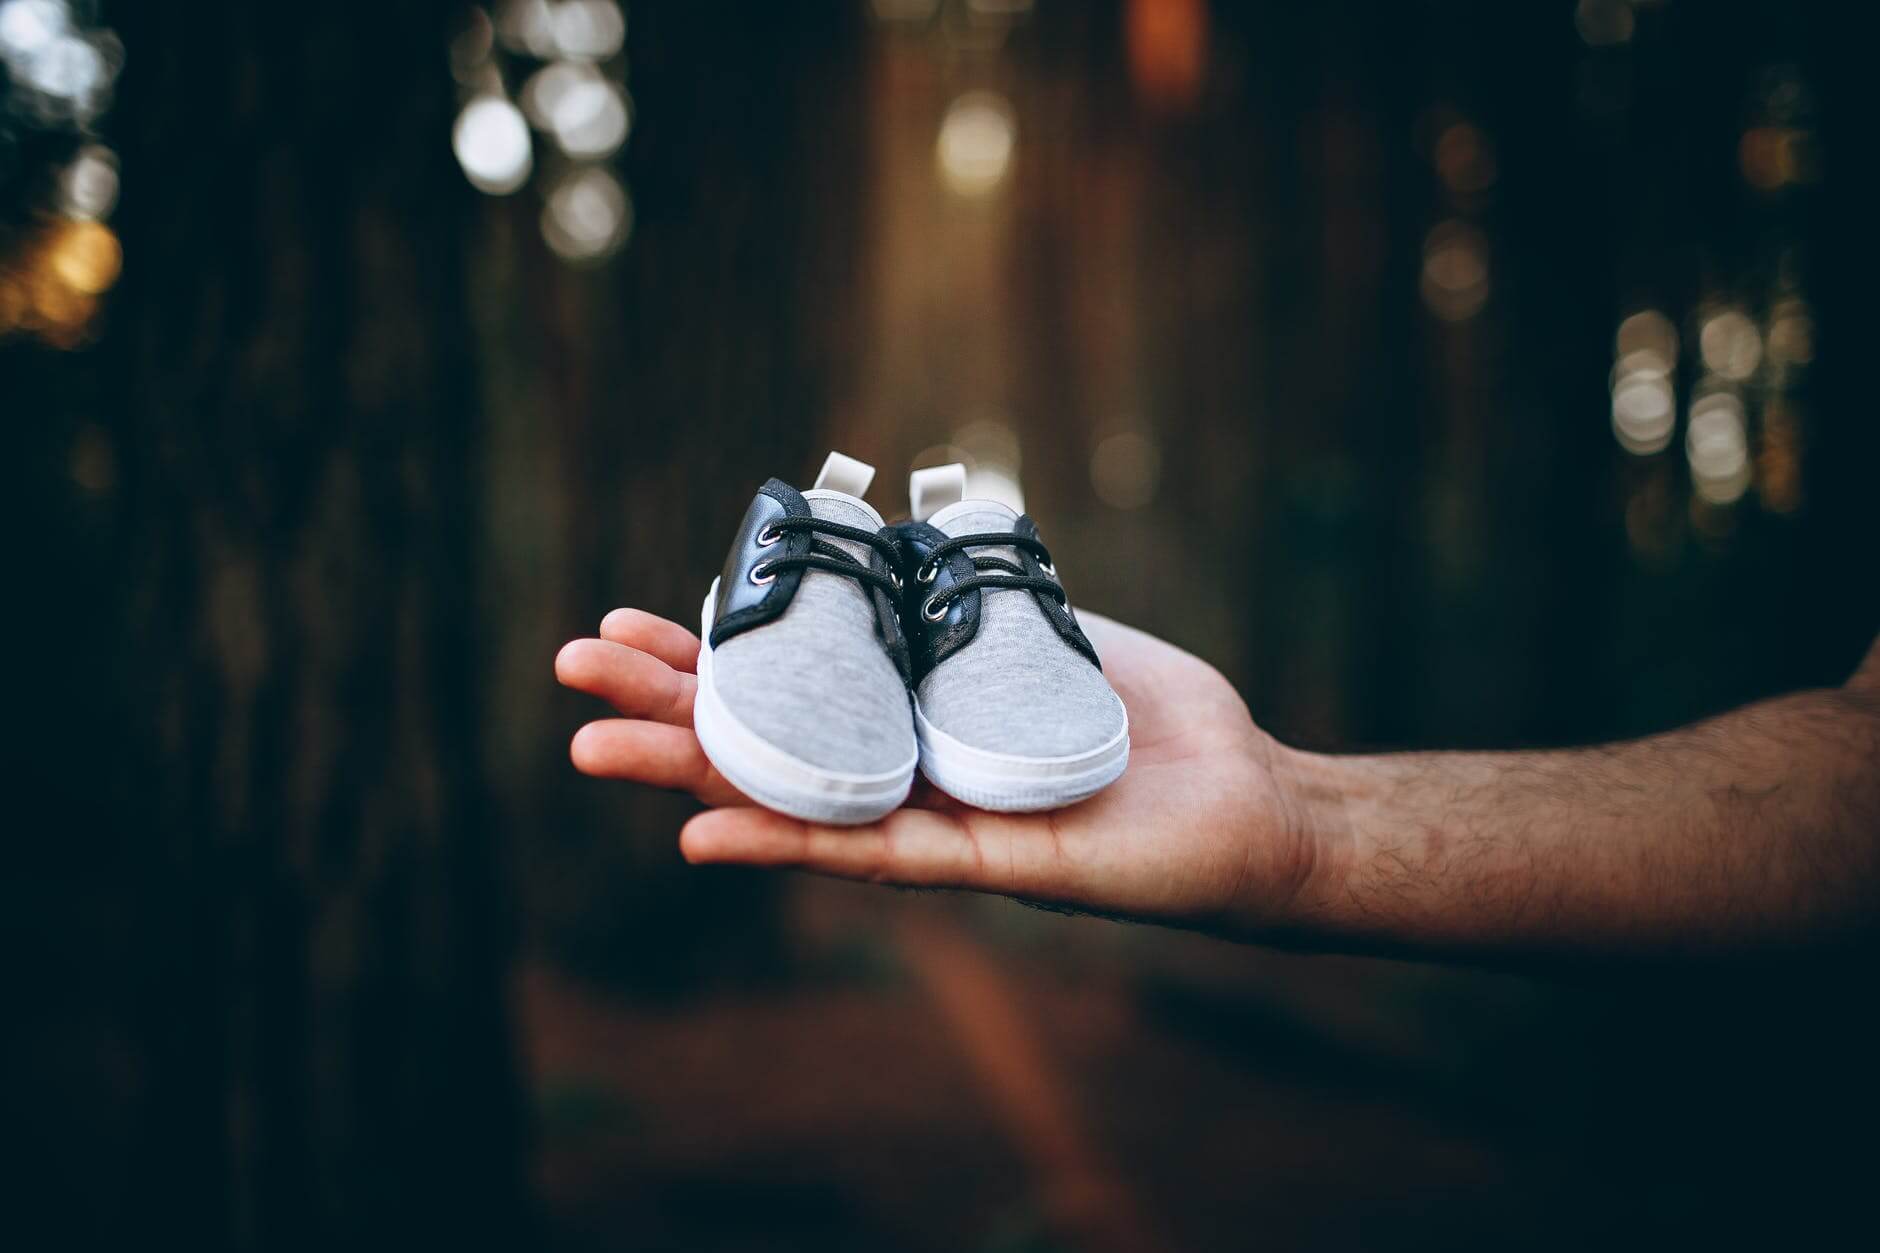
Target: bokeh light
x,y
1730,344
1465,160
573,102
88,189
574,95
1773,157
1779,458
1717,447
1455,271
974,150
1648,332
1791,338
1168,51
993,482
588,215
470,50
527,26
591,120
1126,468
588,30
1644,401
59,70
988,439
549,87
57,73
990,451
1644,410
491,140
28,27
86,256
51,288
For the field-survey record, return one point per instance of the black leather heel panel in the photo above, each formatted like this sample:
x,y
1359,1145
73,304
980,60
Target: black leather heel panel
x,y
936,641
1058,615
743,604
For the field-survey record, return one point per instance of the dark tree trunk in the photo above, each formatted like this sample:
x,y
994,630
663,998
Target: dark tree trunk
x,y
287,869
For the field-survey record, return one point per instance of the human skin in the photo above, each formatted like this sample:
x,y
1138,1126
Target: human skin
x,y
1758,829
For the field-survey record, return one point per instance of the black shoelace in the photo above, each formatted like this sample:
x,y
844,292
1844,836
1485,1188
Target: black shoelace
x,y
1012,575
826,556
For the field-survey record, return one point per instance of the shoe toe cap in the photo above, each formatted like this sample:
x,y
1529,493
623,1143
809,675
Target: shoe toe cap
x,y
849,716
1040,716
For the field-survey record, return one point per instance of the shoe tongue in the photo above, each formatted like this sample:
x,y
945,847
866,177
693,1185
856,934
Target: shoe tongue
x,y
834,506
974,517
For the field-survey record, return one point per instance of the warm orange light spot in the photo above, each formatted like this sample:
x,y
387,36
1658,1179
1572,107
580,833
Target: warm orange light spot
x,y
59,305
15,303
1168,51
50,286
1772,157
1465,160
86,256
1779,461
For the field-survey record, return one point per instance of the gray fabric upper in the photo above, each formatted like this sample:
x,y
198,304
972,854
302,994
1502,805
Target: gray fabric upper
x,y
1017,687
816,682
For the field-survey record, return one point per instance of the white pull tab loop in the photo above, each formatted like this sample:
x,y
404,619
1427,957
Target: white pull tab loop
x,y
933,489
845,475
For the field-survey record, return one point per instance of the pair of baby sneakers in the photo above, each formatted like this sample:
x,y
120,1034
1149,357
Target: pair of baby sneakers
x,y
840,652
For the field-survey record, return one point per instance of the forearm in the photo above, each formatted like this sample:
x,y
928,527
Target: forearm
x,y
1757,828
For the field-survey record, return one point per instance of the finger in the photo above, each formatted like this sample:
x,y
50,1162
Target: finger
x,y
649,633
652,753
638,684
911,847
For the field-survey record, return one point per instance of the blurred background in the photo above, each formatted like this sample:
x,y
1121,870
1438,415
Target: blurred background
x,y
1449,373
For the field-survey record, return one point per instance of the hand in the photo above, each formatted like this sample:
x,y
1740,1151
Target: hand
x,y
1194,833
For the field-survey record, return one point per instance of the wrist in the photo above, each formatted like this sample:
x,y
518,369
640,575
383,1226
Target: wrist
x,y
1309,818
1383,869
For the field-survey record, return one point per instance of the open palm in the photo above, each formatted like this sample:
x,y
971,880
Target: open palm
x,y
1191,833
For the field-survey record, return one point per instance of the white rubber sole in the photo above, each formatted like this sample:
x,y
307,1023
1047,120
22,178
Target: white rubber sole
x,y
1008,783
774,778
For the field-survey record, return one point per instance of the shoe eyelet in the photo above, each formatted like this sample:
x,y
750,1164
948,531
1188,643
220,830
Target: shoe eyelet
x,y
928,572
894,579
1048,568
928,606
759,577
768,536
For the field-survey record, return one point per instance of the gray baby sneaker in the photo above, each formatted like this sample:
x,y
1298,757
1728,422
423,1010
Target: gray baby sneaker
x,y
1011,707
802,678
